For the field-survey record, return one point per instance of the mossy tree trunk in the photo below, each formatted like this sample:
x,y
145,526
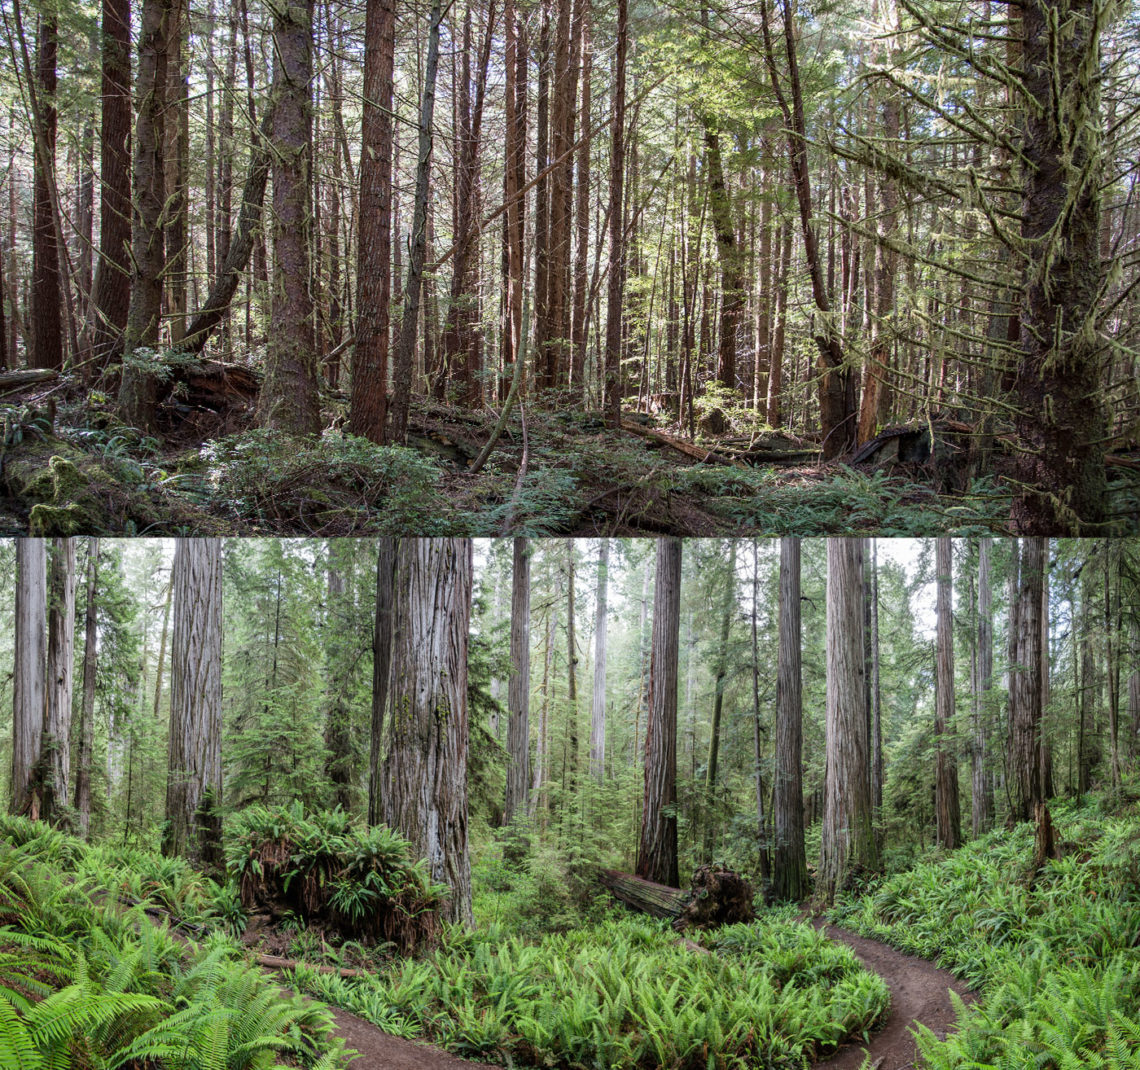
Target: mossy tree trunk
x,y
1062,421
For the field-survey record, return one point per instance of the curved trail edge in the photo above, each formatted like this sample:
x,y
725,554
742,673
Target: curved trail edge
x,y
919,993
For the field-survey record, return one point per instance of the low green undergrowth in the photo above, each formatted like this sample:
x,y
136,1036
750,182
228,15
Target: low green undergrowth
x,y
1055,955
624,994
88,980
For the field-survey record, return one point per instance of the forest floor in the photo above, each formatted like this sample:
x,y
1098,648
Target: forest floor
x,y
69,466
920,992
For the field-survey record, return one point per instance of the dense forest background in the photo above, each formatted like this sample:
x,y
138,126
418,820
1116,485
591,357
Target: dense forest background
x,y
819,219
296,683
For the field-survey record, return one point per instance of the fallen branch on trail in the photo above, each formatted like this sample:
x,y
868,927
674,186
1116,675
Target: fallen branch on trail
x,y
273,962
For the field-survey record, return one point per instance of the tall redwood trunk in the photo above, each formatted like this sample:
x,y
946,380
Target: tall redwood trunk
x,y
982,786
657,850
193,827
598,707
368,410
55,742
1025,680
789,861
848,845
946,772
424,795
382,639
28,678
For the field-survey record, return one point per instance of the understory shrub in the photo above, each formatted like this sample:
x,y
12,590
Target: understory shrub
x,y
358,881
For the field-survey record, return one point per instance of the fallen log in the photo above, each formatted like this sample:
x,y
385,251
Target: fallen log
x,y
659,900
697,453
718,896
273,962
22,377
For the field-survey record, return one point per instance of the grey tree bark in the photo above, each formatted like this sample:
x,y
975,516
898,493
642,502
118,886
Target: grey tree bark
x,y
848,843
424,793
194,773
657,852
1025,682
28,677
55,743
983,795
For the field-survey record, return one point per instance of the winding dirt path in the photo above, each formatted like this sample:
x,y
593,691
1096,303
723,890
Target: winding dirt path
x,y
919,993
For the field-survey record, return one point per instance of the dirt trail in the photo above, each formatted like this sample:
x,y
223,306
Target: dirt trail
x,y
919,993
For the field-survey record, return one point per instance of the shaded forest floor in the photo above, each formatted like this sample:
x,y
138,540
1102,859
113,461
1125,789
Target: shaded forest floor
x,y
69,466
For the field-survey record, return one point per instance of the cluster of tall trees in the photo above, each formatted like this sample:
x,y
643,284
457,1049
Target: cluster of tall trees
x,y
741,692
844,218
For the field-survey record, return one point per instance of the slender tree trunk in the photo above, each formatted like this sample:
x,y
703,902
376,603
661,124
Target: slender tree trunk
x,y
727,609
138,387
369,400
176,130
111,290
657,851
582,213
848,846
762,839
1025,683
29,685
162,649
424,794
87,721
983,796
289,400
406,347
789,861
514,179
193,827
518,686
616,279
46,349
946,773
598,709
876,690
382,640
338,657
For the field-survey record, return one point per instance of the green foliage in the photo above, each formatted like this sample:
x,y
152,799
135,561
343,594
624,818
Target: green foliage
x,y
336,485
1053,954
625,993
359,880
88,980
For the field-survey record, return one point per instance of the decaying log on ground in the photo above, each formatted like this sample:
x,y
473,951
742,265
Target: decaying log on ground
x,y
273,962
24,377
657,899
717,897
697,453
214,385
944,446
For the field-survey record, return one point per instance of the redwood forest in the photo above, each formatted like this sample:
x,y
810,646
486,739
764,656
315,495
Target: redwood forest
x,y
526,267
625,803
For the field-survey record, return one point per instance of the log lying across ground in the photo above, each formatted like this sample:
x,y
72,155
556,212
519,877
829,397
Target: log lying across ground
x,y
718,896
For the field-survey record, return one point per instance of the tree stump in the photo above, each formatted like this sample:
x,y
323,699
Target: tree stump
x,y
1045,842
